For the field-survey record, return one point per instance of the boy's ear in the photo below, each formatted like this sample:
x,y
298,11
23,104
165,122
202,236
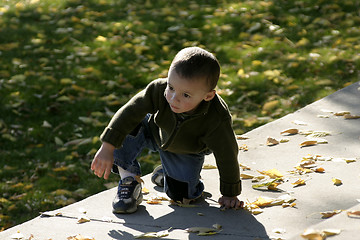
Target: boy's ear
x,y
210,95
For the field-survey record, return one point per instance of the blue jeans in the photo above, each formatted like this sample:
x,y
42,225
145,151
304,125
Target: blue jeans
x,y
182,171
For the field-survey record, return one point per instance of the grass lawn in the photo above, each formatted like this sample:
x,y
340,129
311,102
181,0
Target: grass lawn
x,y
67,66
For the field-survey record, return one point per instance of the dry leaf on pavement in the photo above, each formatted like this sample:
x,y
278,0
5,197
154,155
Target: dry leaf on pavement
x,y
79,237
209,166
353,214
272,173
290,131
308,143
314,234
329,214
202,231
160,234
299,182
336,181
83,219
341,113
349,116
271,141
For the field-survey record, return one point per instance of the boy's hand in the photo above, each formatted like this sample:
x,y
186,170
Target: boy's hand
x,y
231,202
103,160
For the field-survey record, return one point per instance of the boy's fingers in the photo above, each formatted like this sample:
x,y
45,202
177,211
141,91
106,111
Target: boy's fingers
x,y
107,172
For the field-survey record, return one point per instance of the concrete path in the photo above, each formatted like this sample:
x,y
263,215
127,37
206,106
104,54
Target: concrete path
x,y
338,158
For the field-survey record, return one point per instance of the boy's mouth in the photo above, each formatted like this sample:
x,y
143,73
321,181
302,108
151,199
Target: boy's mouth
x,y
173,107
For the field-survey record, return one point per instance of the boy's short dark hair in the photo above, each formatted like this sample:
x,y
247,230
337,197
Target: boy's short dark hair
x,y
195,62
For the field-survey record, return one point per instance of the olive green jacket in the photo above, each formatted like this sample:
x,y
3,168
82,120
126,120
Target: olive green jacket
x,y
209,128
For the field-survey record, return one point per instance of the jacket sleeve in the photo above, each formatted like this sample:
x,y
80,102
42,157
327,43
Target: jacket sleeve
x,y
222,141
132,113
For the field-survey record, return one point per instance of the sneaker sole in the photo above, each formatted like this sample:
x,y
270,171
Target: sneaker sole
x,y
131,210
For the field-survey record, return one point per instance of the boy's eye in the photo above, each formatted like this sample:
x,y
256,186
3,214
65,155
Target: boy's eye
x,y
170,88
186,95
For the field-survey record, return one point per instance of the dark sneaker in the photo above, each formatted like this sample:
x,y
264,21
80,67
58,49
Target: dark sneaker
x,y
157,176
128,196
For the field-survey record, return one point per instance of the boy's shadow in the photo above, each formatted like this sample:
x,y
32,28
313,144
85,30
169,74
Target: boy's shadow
x,y
236,224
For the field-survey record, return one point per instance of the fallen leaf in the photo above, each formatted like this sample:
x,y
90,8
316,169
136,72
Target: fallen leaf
x,y
317,134
244,167
83,219
271,141
341,113
269,202
331,232
349,116
308,143
79,237
217,226
336,181
299,182
242,137
279,230
153,201
290,131
313,234
209,166
202,231
17,235
320,170
145,191
244,147
246,176
329,214
184,205
284,140
353,214
159,234
322,116
272,173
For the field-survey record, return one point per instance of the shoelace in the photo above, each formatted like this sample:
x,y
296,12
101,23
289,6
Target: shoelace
x,y
124,193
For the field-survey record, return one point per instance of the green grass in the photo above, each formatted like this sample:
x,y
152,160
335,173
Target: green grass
x,y
67,66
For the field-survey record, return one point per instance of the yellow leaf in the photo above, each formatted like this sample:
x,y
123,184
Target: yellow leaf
x,y
268,106
336,181
244,147
320,170
263,201
256,62
299,182
302,42
153,201
145,190
272,173
101,39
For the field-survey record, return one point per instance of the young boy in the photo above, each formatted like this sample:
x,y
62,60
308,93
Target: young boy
x,y
183,119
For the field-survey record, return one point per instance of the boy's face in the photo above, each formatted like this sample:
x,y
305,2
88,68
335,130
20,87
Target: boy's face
x,y
185,95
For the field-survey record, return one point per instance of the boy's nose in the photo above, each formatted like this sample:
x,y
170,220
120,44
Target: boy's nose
x,y
175,97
